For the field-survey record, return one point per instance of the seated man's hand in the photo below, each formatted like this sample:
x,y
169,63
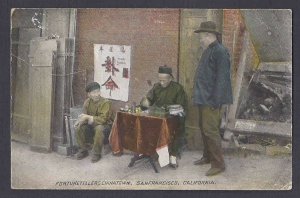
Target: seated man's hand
x,y
82,118
87,118
145,102
90,120
77,124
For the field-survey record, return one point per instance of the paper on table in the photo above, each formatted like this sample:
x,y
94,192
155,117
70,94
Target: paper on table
x,y
163,156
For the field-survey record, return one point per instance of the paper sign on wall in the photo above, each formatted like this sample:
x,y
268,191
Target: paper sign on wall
x,y
112,70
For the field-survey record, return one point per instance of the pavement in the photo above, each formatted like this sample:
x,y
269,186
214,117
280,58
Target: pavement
x,y
32,170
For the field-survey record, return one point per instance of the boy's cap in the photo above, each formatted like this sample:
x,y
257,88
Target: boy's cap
x,y
92,86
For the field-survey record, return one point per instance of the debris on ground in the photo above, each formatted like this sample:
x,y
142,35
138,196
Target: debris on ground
x,y
255,144
278,150
268,97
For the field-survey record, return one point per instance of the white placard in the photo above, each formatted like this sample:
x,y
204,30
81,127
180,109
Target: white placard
x,y
163,156
112,70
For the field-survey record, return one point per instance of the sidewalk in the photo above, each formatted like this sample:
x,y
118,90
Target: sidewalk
x,y
31,170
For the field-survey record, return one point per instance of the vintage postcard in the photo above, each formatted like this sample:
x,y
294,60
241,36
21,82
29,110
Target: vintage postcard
x,y
151,99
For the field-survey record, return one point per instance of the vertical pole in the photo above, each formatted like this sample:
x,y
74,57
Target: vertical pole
x,y
239,78
72,34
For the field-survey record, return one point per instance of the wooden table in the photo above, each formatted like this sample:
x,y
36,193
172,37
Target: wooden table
x,y
142,134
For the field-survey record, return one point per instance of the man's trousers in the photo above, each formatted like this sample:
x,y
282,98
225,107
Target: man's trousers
x,y
90,134
175,147
209,123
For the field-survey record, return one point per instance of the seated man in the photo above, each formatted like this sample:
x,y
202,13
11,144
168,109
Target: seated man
x,y
163,94
91,125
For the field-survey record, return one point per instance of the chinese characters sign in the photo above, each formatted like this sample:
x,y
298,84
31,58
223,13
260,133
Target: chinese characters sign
x,y
112,69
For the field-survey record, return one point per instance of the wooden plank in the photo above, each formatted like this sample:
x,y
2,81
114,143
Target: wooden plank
x,y
20,86
42,93
276,66
42,100
239,79
40,50
253,127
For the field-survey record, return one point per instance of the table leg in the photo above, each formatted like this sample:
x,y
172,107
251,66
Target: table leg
x,y
153,164
135,158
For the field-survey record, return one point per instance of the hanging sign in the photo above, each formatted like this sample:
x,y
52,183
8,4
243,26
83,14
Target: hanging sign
x,y
112,70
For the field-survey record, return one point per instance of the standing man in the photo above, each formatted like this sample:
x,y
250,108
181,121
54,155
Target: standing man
x,y
165,93
212,90
91,125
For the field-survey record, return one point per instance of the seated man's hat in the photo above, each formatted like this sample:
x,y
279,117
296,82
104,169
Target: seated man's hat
x,y
92,86
165,70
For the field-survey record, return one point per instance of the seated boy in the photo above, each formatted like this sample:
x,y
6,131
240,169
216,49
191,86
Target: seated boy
x,y
92,123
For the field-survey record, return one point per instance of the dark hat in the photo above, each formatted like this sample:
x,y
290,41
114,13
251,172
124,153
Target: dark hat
x,y
208,26
92,86
165,70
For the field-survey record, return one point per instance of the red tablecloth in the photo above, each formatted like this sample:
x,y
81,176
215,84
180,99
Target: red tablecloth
x,y
140,133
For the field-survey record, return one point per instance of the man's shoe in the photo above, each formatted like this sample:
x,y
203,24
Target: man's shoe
x,y
82,154
106,149
173,166
173,162
201,161
95,158
214,171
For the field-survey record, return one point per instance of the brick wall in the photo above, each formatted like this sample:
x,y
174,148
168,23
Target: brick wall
x,y
233,31
153,35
